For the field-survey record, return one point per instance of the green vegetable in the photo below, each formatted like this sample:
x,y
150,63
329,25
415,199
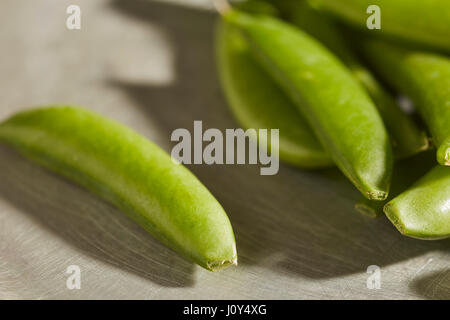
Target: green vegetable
x,y
406,138
258,6
423,211
405,173
424,22
130,172
425,78
341,114
258,102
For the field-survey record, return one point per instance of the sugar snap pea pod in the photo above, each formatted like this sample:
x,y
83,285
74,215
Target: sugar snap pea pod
x,y
339,111
257,101
425,78
406,138
423,211
130,172
424,22
258,6
405,173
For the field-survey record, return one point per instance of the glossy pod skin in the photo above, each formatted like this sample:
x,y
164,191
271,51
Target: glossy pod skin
x,y
423,211
406,137
425,78
130,172
424,22
258,102
405,173
339,111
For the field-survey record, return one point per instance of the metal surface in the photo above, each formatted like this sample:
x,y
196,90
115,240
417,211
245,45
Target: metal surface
x,y
151,66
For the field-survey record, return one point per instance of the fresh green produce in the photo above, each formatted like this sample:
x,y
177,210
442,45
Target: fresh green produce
x,y
406,138
258,102
338,109
424,22
405,173
425,78
258,6
130,172
423,211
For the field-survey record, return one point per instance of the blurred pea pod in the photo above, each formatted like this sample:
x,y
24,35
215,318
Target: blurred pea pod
x,y
424,22
338,109
258,6
406,138
423,211
130,172
405,173
425,78
258,102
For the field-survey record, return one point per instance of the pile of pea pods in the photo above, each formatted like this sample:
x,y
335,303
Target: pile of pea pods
x,y
310,69
314,70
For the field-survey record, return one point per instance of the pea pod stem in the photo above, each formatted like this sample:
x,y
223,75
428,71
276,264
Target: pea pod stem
x,y
258,102
339,111
423,211
130,172
407,139
425,78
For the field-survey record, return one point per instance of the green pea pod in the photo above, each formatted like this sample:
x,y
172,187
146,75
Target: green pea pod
x,y
339,111
423,211
130,172
405,173
424,22
425,78
257,101
258,6
406,138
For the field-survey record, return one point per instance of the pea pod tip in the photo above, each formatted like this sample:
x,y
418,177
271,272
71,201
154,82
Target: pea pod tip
x,y
216,265
221,264
377,195
392,215
443,154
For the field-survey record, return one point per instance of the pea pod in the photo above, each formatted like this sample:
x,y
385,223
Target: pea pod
x,y
406,138
423,211
258,6
130,172
257,101
425,78
424,22
406,172
341,114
